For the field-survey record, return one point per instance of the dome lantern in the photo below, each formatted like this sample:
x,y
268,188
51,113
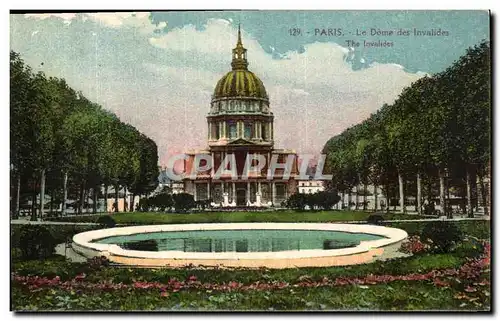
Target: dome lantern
x,y
239,55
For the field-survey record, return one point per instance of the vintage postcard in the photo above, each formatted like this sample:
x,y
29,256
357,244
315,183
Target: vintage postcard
x,y
250,161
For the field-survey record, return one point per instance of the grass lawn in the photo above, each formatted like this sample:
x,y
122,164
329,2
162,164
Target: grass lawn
x,y
233,217
142,289
56,284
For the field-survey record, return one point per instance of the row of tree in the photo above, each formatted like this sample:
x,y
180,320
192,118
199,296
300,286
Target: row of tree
x,y
436,134
165,201
63,144
320,200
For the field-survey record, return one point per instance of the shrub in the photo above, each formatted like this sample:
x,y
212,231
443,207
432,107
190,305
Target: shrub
x,y
444,235
161,201
183,202
144,205
36,242
375,219
414,245
296,201
327,199
106,221
97,262
470,247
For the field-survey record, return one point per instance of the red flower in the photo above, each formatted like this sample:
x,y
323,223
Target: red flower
x,y
439,282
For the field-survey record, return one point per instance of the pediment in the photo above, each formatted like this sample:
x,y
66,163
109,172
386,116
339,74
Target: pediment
x,y
241,141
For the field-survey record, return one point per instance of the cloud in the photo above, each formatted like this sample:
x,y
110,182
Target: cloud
x,y
42,16
162,82
314,94
138,20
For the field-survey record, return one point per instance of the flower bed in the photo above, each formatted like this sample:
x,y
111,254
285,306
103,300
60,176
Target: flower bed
x,y
469,283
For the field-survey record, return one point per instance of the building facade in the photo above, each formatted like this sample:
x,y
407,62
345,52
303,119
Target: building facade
x,y
240,124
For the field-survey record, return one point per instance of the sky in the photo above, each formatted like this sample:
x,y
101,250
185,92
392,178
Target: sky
x,y
157,70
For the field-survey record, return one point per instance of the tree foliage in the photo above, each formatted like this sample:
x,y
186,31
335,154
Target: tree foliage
x,y
57,132
439,127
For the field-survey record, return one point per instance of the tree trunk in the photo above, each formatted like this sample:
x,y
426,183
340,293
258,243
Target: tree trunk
x,y
18,195
106,198
419,194
85,199
356,198
349,199
375,193
33,203
132,203
95,191
483,194
402,206
42,193
429,189
470,213
442,201
447,189
116,198
51,211
364,196
125,198
65,193
82,195
387,198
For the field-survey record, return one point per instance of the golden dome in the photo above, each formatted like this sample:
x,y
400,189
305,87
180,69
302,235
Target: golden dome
x,y
240,82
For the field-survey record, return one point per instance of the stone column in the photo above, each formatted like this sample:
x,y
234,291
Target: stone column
x,y
258,196
224,125
273,196
194,185
208,190
209,131
234,193
248,193
212,170
226,199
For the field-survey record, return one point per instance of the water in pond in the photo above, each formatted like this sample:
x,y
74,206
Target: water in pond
x,y
239,240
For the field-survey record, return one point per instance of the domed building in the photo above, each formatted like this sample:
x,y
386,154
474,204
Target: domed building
x,y
240,128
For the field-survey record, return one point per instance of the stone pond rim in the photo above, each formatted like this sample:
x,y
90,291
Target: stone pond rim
x,y
365,252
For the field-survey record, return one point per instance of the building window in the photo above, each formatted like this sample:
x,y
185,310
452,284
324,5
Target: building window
x,y
201,191
264,131
233,133
248,130
217,130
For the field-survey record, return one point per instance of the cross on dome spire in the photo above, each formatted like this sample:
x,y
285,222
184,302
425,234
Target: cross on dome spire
x,y
239,54
239,44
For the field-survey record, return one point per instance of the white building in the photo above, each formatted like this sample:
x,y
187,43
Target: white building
x,y
310,186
